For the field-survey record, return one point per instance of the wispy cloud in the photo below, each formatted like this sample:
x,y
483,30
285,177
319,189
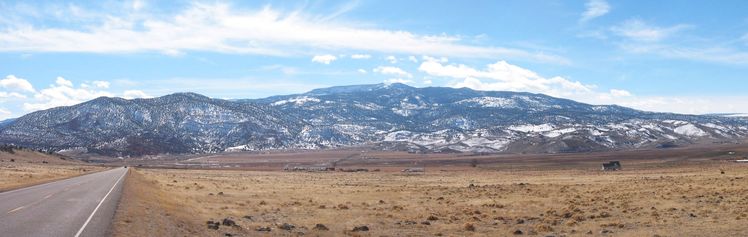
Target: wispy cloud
x,y
393,71
360,56
225,29
640,37
638,30
324,59
686,104
722,55
398,80
594,9
4,113
132,94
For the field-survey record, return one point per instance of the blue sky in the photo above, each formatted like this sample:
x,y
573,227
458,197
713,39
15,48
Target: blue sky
x,y
653,55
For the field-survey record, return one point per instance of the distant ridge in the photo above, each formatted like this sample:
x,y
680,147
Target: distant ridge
x,y
384,116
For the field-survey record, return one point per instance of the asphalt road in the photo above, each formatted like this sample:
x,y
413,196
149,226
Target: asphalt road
x,y
79,206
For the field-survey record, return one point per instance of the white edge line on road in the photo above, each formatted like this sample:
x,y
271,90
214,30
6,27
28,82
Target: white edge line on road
x,y
97,206
14,210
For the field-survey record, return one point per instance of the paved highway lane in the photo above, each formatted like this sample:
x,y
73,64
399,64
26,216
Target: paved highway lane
x,y
79,206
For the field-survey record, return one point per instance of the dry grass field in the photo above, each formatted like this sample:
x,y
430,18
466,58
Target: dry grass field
x,y
26,168
700,198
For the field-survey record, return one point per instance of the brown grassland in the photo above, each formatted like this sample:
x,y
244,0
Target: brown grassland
x,y
26,168
689,193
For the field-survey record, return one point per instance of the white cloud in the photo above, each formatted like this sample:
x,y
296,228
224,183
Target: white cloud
x,y
638,30
61,94
132,94
685,104
619,93
433,59
646,39
324,59
709,54
594,9
397,80
138,4
101,84
227,29
503,76
15,83
360,56
5,113
63,82
391,59
396,71
362,71
16,95
427,82
413,59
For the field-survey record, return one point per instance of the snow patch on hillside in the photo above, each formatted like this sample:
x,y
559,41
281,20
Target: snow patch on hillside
x,y
498,145
559,132
715,126
690,130
298,101
675,122
531,128
491,102
368,106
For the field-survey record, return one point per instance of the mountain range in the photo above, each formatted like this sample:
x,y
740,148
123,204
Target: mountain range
x,y
381,116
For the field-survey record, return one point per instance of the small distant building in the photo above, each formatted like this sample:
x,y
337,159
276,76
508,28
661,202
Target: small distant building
x,y
612,166
741,161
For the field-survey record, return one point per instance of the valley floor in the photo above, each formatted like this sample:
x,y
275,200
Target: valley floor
x,y
685,199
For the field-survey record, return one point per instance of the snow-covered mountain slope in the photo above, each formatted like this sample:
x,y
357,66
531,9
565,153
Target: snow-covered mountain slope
x,y
388,116
178,123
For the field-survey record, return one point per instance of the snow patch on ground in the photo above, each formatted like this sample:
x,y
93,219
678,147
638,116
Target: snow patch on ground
x,y
690,130
531,128
559,132
675,122
595,132
237,148
715,126
301,100
600,108
493,144
368,106
398,136
402,112
671,137
492,102
618,126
